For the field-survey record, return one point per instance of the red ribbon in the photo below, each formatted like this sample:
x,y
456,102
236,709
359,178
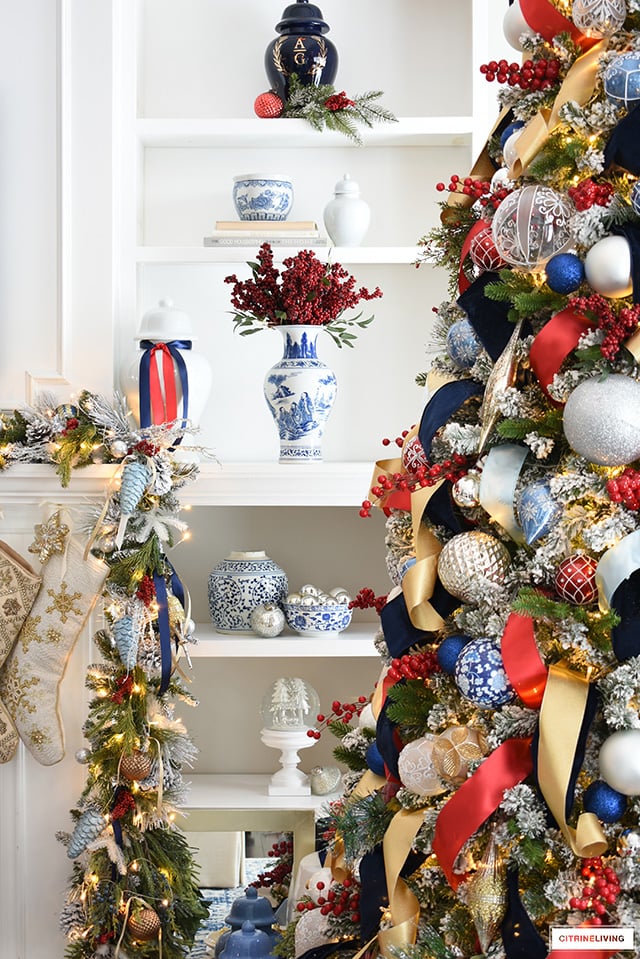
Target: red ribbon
x,y
164,401
526,671
478,227
553,344
546,20
476,799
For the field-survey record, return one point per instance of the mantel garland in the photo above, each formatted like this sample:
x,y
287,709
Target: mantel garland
x,y
133,888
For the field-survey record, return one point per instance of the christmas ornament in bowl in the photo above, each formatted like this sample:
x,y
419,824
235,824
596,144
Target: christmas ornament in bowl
x,y
312,612
262,196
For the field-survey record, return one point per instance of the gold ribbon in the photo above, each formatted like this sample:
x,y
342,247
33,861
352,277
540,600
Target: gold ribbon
x,y
482,169
419,580
578,85
403,905
561,716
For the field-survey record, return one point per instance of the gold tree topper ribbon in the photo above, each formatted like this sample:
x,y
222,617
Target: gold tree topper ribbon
x,y
403,906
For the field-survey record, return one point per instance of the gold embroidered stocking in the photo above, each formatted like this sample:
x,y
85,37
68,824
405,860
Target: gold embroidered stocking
x,y
19,586
31,676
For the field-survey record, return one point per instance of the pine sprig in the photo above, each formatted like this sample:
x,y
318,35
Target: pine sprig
x,y
323,108
525,297
549,424
362,824
530,602
409,706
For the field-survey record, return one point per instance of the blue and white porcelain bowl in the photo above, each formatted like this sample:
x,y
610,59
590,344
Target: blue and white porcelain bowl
x,y
262,196
321,619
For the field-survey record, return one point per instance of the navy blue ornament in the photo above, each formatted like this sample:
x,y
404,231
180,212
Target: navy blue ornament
x,y
565,272
508,130
449,650
604,802
374,760
463,345
622,80
480,675
537,510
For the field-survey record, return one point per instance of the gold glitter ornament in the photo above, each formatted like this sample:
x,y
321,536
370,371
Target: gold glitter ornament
x,y
502,376
144,924
136,766
50,538
487,895
454,749
472,564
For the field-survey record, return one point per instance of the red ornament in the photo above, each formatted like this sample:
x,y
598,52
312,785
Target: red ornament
x,y
576,579
268,105
413,455
483,252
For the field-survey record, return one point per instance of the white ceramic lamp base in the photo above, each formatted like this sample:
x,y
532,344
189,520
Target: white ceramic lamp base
x,y
288,781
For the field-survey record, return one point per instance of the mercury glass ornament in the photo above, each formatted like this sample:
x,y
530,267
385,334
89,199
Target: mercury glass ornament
x,y
83,756
601,422
487,896
472,564
531,225
598,18
466,490
324,780
267,620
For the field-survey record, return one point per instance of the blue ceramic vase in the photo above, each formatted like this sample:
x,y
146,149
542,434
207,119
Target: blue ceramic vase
x,y
240,583
301,49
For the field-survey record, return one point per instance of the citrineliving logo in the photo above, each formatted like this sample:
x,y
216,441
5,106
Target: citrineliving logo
x,y
616,938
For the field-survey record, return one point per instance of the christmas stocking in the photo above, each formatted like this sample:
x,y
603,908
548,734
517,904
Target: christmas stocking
x,y
31,676
18,588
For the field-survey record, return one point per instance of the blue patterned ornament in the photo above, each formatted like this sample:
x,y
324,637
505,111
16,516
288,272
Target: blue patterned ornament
x,y
480,675
635,197
136,476
537,510
374,760
126,640
463,346
508,130
565,273
449,650
604,802
622,80
87,828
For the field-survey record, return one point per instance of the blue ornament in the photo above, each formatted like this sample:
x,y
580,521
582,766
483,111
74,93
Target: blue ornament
x,y
635,197
374,760
449,650
622,80
508,130
463,346
565,272
537,510
480,675
604,802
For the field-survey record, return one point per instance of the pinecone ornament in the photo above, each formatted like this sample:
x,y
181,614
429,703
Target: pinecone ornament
x,y
144,924
136,476
473,564
126,640
136,766
88,827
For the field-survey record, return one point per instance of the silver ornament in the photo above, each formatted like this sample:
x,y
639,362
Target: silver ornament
x,y
607,267
531,225
83,756
466,490
324,779
118,449
267,620
620,761
473,564
628,844
502,376
601,422
598,18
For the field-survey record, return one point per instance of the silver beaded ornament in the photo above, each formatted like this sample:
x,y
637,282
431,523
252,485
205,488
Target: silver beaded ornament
x,y
472,564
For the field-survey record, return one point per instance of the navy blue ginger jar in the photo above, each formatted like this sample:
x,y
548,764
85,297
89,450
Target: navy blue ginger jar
x,y
301,49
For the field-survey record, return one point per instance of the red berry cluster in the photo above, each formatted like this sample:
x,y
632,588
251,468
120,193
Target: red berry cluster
x,y
588,192
123,803
338,101
414,666
341,899
601,892
540,74
144,447
367,599
124,686
618,327
626,489
72,424
146,590
479,190
450,469
280,874
342,711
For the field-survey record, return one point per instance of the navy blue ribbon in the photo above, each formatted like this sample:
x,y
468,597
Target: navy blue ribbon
x,y
625,637
441,407
520,938
489,318
632,235
176,584
399,632
174,346
623,146
373,893
165,632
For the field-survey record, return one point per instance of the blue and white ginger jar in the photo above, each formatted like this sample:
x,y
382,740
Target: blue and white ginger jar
x,y
240,583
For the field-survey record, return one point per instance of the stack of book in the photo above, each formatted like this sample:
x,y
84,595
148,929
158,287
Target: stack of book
x,y
300,233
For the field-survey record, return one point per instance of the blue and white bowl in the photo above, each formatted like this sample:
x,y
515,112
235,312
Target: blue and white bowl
x,y
262,196
321,619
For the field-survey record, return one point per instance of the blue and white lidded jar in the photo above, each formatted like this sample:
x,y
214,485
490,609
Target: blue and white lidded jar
x,y
238,584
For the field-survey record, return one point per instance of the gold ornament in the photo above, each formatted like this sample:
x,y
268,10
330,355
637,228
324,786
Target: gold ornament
x,y
144,924
50,538
454,749
487,895
472,564
136,766
502,376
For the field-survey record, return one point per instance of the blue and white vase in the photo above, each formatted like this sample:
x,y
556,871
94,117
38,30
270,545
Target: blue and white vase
x,y
238,584
300,391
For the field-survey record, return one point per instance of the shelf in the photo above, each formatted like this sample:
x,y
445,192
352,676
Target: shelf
x,y
294,134
355,642
244,791
238,254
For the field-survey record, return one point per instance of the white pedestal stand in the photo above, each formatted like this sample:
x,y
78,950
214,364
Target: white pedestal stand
x,y
288,781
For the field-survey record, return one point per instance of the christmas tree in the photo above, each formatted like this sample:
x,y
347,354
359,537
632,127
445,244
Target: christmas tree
x,y
496,772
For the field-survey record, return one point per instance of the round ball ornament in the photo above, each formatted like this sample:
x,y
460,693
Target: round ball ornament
x,y
537,510
118,449
366,719
620,761
483,252
417,772
607,267
506,133
565,273
463,345
575,579
454,749
136,766
509,149
601,422
480,675
268,105
628,844
514,26
472,564
466,490
267,620
374,759
531,225
621,80
449,650
144,925
598,18
83,756
635,197
604,802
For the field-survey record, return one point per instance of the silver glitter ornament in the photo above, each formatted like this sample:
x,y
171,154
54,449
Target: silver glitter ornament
x,y
82,756
118,449
466,490
267,620
601,420
472,564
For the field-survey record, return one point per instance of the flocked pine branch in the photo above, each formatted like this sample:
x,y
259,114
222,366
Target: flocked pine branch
x,y
323,108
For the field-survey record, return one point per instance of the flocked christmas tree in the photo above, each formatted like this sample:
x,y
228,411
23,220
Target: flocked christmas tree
x,y
495,777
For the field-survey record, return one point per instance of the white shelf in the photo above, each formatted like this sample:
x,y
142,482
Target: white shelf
x,y
298,134
245,791
239,254
355,642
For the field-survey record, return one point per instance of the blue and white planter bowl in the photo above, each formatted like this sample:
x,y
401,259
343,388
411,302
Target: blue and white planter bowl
x,y
321,619
240,583
262,196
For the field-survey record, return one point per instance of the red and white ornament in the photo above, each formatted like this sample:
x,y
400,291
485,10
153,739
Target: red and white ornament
x,y
575,579
483,252
413,455
268,105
